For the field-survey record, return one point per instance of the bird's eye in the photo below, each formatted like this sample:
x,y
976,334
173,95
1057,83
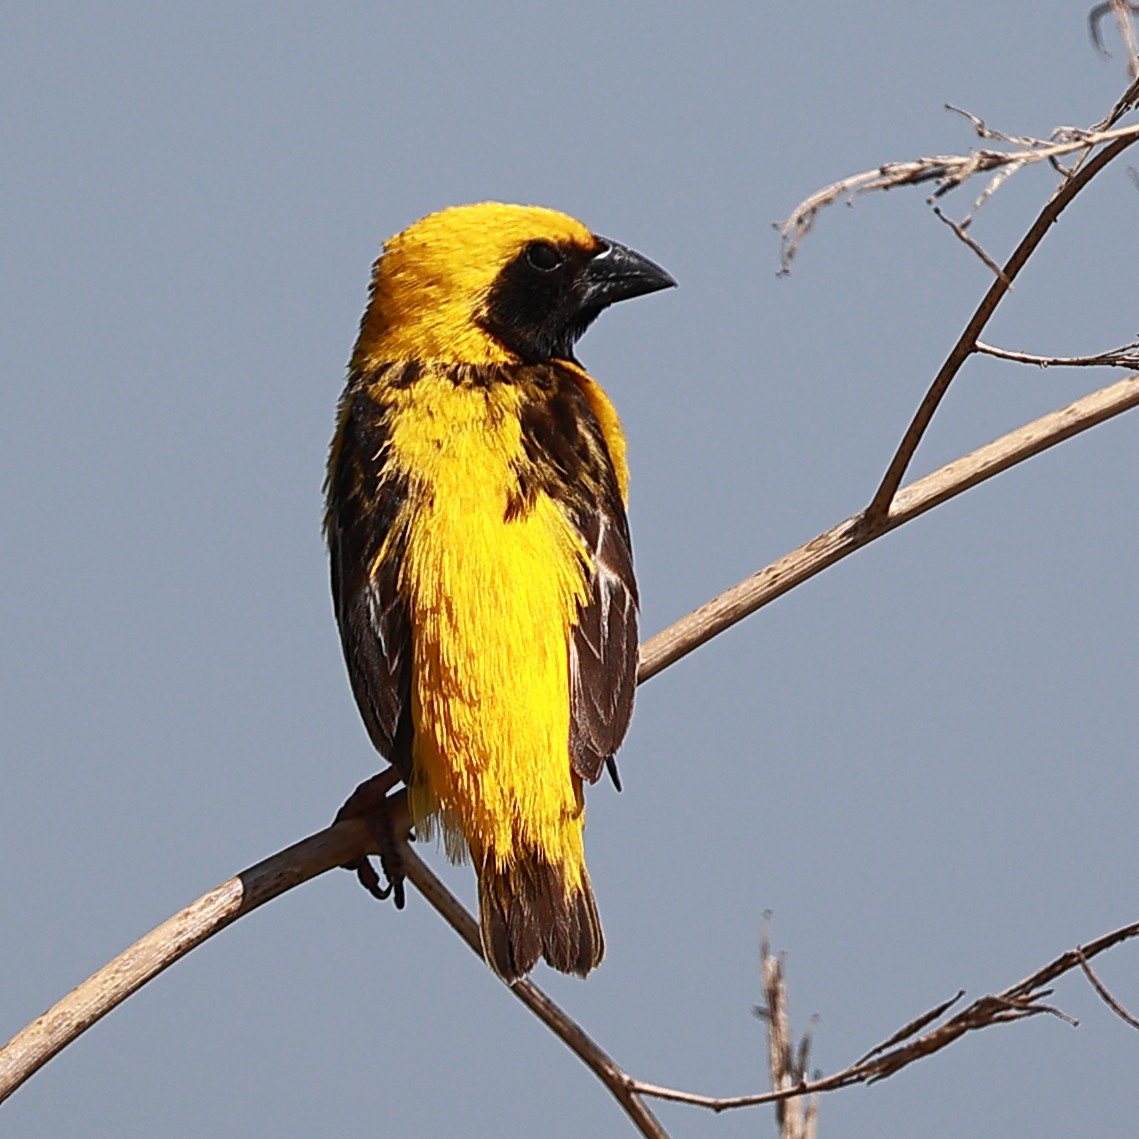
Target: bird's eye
x,y
544,257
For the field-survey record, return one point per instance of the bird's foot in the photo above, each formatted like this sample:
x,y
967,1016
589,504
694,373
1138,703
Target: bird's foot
x,y
370,802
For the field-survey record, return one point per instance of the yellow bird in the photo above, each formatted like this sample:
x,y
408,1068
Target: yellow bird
x,y
482,573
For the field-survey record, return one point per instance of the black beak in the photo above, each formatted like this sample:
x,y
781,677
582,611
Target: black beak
x,y
616,273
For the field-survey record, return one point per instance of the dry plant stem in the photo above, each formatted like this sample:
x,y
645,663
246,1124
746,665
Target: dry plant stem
x,y
952,170
568,1030
836,543
30,1049
959,231
786,1062
880,505
1125,357
1123,11
1103,992
1015,1003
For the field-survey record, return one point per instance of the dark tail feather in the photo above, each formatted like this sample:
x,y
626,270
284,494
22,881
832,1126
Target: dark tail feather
x,y
527,912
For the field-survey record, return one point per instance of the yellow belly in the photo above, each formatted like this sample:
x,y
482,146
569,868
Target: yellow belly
x,y
492,605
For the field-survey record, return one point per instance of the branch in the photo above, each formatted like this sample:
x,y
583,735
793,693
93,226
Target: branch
x,y
880,504
341,843
33,1047
1125,357
1123,11
1017,1002
950,171
1103,992
959,232
550,1014
839,541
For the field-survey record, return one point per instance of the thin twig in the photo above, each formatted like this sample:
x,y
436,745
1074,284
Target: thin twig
x,y
948,171
562,1025
1125,357
1128,101
1123,11
959,229
1017,1002
879,508
1102,989
908,1030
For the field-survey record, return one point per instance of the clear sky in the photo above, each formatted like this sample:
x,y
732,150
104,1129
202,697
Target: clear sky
x,y
922,762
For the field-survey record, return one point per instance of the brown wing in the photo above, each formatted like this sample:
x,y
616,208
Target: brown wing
x,y
603,653
365,497
567,459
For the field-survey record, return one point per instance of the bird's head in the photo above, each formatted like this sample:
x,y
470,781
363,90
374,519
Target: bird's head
x,y
495,283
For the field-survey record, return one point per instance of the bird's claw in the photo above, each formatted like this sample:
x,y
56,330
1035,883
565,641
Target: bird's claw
x,y
370,802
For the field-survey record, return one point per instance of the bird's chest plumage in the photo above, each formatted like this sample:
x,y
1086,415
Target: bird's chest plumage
x,y
493,590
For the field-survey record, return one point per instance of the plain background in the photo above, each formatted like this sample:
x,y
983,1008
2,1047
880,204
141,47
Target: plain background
x,y
922,762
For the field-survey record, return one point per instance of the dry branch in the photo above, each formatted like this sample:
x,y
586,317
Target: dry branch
x,y
1017,1002
33,1047
880,504
947,171
1125,357
560,1023
787,1061
852,534
1122,10
1103,992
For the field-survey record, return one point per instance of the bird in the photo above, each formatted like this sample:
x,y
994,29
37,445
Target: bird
x,y
481,563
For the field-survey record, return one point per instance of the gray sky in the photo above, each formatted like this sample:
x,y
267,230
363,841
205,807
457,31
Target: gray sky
x,y
923,762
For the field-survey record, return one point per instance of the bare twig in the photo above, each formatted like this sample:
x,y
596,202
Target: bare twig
x,y
879,508
916,1025
1101,988
959,229
1128,101
948,171
342,843
1125,357
786,1062
992,134
1017,1002
1123,11
563,1026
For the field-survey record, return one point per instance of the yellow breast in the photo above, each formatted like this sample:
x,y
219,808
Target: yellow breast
x,y
492,604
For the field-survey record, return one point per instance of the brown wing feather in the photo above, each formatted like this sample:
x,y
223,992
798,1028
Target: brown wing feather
x,y
603,653
568,459
364,501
